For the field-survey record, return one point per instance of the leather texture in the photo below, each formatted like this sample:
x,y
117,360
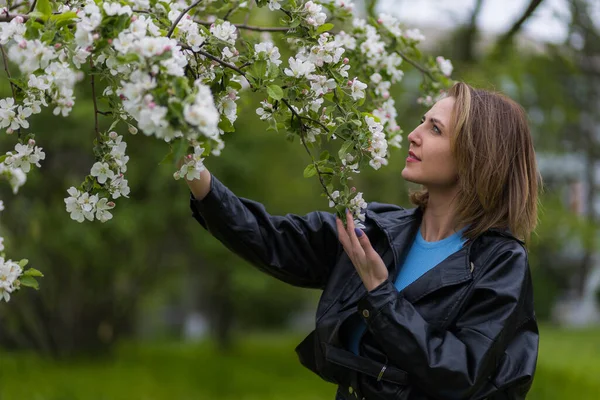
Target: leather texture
x,y
466,329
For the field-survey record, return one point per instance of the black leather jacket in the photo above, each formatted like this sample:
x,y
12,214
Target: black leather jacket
x,y
465,330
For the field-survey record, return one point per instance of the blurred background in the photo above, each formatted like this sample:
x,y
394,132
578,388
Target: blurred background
x,y
150,306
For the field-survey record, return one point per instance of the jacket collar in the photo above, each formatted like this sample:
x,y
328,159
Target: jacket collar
x,y
400,227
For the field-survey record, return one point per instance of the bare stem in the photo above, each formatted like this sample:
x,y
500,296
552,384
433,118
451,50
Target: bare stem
x,y
10,17
217,59
96,112
12,85
302,129
181,16
33,6
415,64
250,27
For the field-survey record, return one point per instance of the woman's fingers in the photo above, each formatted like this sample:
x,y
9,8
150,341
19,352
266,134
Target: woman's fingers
x,y
352,234
342,234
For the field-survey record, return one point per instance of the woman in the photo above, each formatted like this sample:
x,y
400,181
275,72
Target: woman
x,y
433,302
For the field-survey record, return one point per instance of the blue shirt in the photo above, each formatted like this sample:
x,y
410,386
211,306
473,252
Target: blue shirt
x,y
421,257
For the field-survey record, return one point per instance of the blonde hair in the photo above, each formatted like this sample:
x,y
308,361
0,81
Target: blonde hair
x,y
497,171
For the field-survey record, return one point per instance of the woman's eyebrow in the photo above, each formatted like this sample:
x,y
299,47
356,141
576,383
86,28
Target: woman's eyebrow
x,y
437,121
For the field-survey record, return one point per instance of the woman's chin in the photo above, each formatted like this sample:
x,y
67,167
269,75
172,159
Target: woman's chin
x,y
408,176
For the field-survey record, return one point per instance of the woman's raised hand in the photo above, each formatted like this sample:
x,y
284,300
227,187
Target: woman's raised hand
x,y
368,263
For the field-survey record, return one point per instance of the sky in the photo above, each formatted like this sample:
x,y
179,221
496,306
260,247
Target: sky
x,y
496,15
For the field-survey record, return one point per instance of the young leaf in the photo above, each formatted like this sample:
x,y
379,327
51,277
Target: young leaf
x,y
275,92
32,272
23,263
44,7
324,28
29,281
345,148
310,170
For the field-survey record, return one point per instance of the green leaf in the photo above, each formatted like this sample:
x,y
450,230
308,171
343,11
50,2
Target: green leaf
x,y
259,68
235,85
226,125
43,7
324,28
29,281
168,159
310,170
324,155
275,92
23,263
2,158
32,272
181,150
63,19
273,125
347,144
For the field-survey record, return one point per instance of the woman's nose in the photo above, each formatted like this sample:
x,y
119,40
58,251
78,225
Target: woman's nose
x,y
413,137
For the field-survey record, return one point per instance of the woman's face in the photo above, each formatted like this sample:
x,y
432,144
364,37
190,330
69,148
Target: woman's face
x,y
430,161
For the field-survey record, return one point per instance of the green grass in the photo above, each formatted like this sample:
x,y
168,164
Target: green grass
x,y
259,368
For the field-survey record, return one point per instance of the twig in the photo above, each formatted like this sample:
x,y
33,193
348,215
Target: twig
x,y
8,18
217,59
229,12
302,129
12,85
250,27
15,6
33,6
415,64
247,17
96,112
181,16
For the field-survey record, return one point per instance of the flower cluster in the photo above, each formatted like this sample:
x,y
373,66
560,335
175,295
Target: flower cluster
x,y
192,167
175,70
24,156
10,272
83,206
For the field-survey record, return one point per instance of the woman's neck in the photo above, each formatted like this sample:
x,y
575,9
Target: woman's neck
x,y
439,218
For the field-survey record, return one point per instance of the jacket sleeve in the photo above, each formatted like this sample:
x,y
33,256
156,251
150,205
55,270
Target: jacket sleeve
x,y
456,363
299,250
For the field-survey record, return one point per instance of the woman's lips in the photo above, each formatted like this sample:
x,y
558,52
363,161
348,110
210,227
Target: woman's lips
x,y
412,157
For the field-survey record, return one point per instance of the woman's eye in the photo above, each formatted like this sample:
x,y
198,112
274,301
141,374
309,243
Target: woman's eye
x,y
436,129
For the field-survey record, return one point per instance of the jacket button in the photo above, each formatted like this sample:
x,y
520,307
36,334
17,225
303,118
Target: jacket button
x,y
350,390
365,313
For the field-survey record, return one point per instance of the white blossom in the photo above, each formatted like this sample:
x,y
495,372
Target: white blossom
x,y
10,272
274,5
224,31
445,65
414,34
315,16
299,68
357,89
102,172
270,51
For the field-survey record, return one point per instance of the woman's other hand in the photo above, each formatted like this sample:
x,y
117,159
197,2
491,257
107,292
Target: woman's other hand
x,y
368,263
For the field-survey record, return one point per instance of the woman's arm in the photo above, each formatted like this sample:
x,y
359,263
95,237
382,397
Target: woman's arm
x,y
455,364
299,250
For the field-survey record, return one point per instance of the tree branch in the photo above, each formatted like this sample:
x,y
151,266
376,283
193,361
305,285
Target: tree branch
x,y
302,129
250,27
506,38
8,18
415,64
217,59
181,16
96,112
33,6
12,86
